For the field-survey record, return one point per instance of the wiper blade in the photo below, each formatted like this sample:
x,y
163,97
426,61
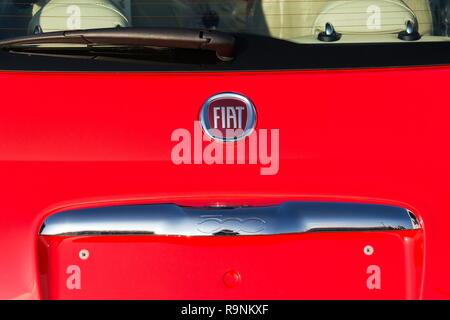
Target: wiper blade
x,y
220,42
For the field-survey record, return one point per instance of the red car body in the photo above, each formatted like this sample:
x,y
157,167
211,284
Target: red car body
x,y
79,140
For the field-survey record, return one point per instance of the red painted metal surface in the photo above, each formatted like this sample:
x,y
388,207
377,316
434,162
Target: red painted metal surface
x,y
309,266
80,140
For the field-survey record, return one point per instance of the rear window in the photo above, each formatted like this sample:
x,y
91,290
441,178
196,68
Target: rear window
x,y
300,21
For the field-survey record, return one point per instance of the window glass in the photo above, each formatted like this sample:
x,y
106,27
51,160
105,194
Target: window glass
x,y
303,21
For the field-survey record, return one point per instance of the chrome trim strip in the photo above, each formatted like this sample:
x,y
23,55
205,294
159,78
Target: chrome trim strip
x,y
170,219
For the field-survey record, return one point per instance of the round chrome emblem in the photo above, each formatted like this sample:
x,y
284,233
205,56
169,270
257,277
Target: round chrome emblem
x,y
228,117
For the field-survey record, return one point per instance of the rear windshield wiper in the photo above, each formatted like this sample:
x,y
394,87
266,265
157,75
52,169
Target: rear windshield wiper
x,y
221,43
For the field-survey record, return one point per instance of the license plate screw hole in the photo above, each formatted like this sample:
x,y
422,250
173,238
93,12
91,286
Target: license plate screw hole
x,y
368,250
84,254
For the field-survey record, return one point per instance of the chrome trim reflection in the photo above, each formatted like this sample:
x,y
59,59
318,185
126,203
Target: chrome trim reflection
x,y
286,218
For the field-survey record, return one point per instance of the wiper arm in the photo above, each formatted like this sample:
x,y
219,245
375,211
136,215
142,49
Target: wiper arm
x,y
222,43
